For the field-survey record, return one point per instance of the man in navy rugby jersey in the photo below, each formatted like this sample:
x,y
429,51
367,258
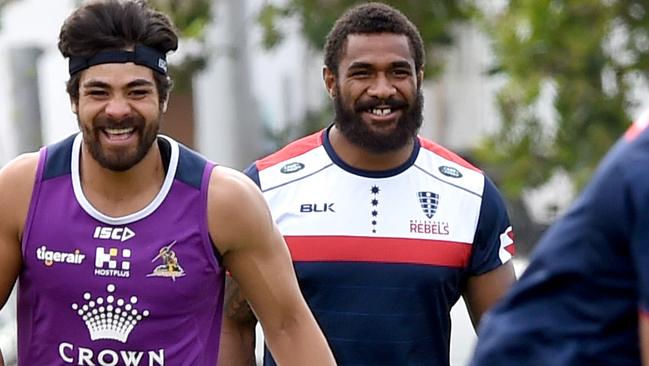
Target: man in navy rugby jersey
x,y
584,299
386,229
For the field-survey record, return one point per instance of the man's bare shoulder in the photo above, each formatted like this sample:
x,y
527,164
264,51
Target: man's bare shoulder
x,y
19,171
236,208
16,184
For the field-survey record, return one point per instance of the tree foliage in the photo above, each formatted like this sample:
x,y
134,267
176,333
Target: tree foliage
x,y
191,18
586,55
434,19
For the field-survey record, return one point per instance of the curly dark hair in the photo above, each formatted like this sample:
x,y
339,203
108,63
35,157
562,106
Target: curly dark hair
x,y
116,24
370,18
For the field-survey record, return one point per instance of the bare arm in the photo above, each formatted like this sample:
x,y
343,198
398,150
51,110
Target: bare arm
x,y
644,338
482,292
238,328
256,255
16,181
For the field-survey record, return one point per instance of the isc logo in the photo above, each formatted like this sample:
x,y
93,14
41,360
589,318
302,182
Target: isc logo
x,y
113,233
317,207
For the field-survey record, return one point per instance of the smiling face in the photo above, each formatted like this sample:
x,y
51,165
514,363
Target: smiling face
x,y
119,113
377,98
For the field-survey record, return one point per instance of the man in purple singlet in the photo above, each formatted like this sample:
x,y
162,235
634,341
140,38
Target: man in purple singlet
x,y
120,237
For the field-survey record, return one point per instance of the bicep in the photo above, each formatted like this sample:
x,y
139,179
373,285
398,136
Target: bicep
x,y
253,250
16,181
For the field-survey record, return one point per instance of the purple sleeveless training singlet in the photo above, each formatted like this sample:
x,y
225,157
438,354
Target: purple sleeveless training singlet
x,y
143,289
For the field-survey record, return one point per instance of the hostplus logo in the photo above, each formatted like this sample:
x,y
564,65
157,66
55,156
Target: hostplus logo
x,y
109,318
109,262
112,261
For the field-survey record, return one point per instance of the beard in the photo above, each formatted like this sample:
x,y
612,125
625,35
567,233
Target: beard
x,y
126,158
352,126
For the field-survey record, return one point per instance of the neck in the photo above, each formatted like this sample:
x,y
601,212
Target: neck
x,y
360,158
121,193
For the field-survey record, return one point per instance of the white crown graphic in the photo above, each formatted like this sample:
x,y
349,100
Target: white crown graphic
x,y
109,318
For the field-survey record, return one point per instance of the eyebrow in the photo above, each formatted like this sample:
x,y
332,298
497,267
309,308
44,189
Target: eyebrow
x,y
367,65
101,84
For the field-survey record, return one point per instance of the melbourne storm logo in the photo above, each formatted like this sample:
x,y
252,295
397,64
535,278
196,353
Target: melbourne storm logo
x,y
428,202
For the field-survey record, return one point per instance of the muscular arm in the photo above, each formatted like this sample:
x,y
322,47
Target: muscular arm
x,y
16,181
238,328
483,291
256,255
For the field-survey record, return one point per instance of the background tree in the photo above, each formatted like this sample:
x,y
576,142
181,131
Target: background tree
x,y
587,55
191,17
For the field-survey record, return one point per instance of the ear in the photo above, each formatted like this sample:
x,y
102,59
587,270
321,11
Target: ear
x,y
329,78
420,77
74,106
165,104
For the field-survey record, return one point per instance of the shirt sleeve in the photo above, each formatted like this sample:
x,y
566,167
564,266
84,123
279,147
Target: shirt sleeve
x,y
253,173
493,244
637,196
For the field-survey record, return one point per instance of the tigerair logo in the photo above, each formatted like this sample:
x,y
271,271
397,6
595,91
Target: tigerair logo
x,y
49,257
109,317
110,263
113,233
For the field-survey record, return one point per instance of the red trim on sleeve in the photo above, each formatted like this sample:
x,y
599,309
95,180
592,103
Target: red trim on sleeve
x,y
633,131
643,313
291,150
446,154
383,250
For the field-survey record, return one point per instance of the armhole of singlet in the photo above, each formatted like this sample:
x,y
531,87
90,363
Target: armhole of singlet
x,y
33,202
215,256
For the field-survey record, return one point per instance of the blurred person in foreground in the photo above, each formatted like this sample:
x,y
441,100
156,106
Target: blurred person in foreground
x,y
584,299
386,229
120,237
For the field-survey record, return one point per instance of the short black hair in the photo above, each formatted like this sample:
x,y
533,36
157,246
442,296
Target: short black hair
x,y
371,18
102,25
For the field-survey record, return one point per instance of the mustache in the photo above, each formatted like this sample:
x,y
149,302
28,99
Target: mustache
x,y
128,121
374,102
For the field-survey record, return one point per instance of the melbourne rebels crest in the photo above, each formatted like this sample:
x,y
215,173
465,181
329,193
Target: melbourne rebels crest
x,y
428,202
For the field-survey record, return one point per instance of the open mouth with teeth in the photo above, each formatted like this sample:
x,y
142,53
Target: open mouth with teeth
x,y
118,134
381,111
382,114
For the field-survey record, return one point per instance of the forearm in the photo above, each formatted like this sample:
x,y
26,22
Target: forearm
x,y
644,337
237,347
237,329
299,342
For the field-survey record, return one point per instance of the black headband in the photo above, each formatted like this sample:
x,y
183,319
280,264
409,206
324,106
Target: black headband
x,y
141,55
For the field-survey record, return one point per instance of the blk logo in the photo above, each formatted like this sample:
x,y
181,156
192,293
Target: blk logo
x,y
317,207
113,233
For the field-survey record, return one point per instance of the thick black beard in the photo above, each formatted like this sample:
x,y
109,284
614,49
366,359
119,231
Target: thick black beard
x,y
123,162
351,126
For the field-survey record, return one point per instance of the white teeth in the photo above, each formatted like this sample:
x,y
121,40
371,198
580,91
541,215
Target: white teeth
x,y
119,131
381,111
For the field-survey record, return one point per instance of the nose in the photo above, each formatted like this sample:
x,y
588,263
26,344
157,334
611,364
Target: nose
x,y
117,108
381,87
